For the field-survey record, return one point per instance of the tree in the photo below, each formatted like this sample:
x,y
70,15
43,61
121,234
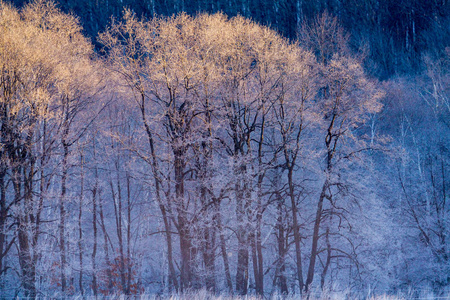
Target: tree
x,y
27,76
205,93
422,167
347,99
293,113
41,48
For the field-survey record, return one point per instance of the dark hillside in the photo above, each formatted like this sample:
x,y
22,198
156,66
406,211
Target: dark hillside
x,y
398,32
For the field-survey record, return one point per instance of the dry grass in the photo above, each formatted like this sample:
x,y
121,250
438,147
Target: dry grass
x,y
204,295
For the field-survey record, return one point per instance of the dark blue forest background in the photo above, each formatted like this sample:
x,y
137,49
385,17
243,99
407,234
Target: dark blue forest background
x,y
395,33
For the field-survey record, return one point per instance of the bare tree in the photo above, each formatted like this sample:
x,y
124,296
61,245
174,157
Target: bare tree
x,y
348,99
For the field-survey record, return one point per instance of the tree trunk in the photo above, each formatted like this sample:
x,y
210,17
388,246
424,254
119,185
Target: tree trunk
x,y
223,248
106,249
315,237
242,237
173,282
3,214
117,200
28,270
242,262
80,229
62,216
328,261
209,259
280,277
94,228
209,239
23,222
208,255
259,279
186,247
297,238
252,243
128,234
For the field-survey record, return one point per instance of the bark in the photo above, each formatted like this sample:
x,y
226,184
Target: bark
x,y
28,270
3,214
208,250
297,238
223,248
23,222
290,159
117,200
173,282
331,140
257,257
328,261
280,277
259,272
254,260
242,237
242,262
187,276
315,237
128,234
94,227
62,199
243,197
62,215
182,220
209,239
110,284
23,182
80,229
209,260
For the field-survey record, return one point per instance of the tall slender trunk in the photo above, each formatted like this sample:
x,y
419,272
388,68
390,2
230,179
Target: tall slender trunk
x,y
25,261
257,257
118,216
331,140
3,214
209,229
209,259
259,279
259,272
297,238
62,199
62,216
43,187
20,183
23,182
280,277
80,229
223,248
3,209
243,197
94,227
242,237
106,248
208,245
328,261
128,235
186,246
173,282
315,237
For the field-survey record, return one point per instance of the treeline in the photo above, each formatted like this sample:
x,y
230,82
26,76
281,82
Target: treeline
x,y
394,33
210,152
